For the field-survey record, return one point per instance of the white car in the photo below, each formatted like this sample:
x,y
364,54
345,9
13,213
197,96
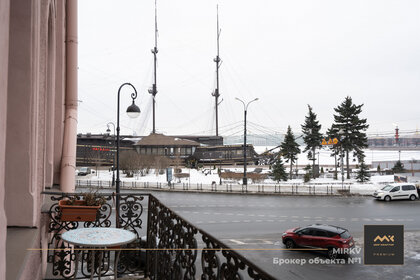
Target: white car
x,y
397,191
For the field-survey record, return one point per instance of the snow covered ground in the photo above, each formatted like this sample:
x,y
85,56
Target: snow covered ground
x,y
207,176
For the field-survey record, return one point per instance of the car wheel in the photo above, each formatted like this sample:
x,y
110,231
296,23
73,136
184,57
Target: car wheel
x,y
331,254
290,244
387,198
412,197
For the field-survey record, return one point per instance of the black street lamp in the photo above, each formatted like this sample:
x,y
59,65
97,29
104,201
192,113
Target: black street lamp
x,y
341,134
245,181
133,111
113,152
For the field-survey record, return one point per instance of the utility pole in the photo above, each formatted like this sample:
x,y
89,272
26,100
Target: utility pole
x,y
216,93
153,90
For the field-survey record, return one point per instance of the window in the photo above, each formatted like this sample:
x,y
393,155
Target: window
x,y
305,231
408,188
387,188
395,189
320,233
345,235
331,234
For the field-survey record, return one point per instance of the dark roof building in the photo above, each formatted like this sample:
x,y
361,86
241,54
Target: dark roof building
x,y
159,144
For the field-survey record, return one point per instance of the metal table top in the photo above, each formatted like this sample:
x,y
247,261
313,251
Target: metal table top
x,y
98,237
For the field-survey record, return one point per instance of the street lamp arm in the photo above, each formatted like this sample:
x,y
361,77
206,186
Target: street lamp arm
x,y
133,95
240,101
113,125
250,103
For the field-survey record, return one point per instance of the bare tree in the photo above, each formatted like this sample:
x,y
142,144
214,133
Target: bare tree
x,y
129,162
145,163
160,163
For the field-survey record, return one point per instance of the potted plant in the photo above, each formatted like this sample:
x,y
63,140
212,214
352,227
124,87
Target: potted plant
x,y
81,210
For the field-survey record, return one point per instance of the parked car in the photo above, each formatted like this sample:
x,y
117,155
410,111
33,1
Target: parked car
x,y
397,191
84,171
319,236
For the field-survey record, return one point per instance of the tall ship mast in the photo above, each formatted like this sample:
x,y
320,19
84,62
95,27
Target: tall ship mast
x,y
217,60
153,89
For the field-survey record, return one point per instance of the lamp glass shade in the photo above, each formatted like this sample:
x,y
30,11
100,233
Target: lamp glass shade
x,y
133,111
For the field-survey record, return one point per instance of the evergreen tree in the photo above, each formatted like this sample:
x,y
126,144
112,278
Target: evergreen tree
x,y
311,136
352,127
278,171
290,149
398,167
363,175
332,133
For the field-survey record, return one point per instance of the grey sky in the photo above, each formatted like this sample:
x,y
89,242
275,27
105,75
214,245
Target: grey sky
x,y
286,53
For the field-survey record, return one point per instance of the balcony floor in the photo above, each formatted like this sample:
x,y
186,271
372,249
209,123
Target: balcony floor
x,y
18,241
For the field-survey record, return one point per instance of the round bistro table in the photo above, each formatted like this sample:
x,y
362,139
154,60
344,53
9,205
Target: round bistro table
x,y
100,238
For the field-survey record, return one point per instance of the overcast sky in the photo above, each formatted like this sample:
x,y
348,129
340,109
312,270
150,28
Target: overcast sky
x,y
286,53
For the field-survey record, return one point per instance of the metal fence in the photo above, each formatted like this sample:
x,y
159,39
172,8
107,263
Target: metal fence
x,y
286,189
167,246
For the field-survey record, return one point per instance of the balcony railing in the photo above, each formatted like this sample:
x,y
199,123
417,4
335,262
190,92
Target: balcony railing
x,y
167,246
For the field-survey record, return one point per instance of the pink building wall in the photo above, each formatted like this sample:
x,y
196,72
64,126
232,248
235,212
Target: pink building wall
x,y
4,55
33,80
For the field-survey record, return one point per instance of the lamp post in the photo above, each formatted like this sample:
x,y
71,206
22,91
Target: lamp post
x,y
113,154
341,132
133,111
245,181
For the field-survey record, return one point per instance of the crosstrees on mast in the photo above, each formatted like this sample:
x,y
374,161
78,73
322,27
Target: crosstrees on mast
x,y
216,92
153,90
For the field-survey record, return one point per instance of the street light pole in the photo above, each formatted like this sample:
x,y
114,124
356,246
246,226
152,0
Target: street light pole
x,y
113,154
133,111
245,180
342,158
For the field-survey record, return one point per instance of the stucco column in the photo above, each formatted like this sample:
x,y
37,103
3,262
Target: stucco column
x,y
4,56
68,161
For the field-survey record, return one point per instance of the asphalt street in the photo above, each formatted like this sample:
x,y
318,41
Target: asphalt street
x,y
251,222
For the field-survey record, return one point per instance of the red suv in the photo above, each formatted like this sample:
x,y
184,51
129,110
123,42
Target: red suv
x,y
319,236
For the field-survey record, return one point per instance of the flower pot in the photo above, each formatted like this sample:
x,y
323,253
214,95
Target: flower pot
x,y
77,212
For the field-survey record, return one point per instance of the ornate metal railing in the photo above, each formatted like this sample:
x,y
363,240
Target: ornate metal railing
x,y
61,255
176,253
175,249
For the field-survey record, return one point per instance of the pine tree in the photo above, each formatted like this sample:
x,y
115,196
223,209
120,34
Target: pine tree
x,y
278,171
311,136
363,175
352,127
332,133
398,167
290,149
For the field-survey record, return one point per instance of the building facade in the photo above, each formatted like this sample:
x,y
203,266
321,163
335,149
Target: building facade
x,y
161,145
38,116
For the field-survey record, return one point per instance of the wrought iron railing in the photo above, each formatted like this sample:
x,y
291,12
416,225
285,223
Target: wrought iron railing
x,y
61,255
175,251
174,248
